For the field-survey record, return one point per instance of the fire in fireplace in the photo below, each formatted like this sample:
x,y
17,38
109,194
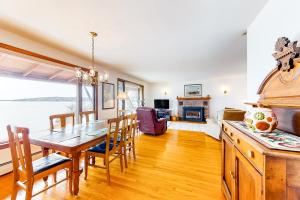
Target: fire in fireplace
x,y
191,113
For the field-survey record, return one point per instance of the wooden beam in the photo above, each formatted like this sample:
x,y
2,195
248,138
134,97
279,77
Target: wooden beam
x,y
39,56
25,74
56,74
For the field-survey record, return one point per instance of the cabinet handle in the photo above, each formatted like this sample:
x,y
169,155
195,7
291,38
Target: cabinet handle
x,y
225,129
231,134
231,174
250,154
238,141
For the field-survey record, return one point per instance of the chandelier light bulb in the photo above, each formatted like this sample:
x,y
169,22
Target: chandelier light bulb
x,y
106,76
101,78
92,72
85,76
78,73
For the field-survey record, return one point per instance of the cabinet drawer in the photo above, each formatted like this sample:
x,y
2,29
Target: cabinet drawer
x,y
229,132
249,150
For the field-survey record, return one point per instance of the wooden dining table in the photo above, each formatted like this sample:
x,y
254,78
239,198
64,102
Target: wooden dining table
x,y
71,140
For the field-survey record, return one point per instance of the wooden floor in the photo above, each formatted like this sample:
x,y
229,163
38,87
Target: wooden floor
x,y
176,165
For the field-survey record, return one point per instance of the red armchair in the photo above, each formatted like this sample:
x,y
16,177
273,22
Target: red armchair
x,y
148,122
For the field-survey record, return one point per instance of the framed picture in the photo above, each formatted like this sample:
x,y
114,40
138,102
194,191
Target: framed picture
x,y
108,96
193,90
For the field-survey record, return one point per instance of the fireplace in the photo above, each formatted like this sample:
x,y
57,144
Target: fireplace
x,y
195,114
193,102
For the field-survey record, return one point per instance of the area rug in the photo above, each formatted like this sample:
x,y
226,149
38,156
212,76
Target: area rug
x,y
211,128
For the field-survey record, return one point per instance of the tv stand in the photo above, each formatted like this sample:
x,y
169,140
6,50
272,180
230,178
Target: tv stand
x,y
163,113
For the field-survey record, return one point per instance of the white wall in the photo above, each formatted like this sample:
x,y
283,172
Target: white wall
x,y
31,45
214,86
278,18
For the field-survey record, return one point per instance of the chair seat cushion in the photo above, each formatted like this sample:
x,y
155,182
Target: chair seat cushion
x,y
101,148
48,162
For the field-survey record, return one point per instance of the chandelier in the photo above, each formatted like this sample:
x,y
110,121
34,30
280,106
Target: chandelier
x,y
90,77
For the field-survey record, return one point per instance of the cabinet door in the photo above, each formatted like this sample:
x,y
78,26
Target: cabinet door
x,y
248,179
228,182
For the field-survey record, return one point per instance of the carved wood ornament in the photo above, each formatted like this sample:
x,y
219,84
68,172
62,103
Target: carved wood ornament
x,y
286,52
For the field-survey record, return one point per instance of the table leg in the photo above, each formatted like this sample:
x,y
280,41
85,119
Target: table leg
x,y
45,153
76,171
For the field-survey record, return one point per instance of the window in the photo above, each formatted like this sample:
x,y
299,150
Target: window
x,y
134,93
121,88
87,98
29,103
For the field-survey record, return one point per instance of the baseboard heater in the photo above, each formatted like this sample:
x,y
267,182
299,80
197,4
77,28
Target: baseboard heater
x,y
6,163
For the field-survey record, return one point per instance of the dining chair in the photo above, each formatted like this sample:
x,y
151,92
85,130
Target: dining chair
x,y
63,119
128,136
63,123
106,149
86,115
26,171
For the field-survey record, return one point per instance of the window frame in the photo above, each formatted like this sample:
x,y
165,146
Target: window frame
x,y
123,81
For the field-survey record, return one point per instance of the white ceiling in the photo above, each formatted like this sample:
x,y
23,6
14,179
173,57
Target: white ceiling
x,y
155,40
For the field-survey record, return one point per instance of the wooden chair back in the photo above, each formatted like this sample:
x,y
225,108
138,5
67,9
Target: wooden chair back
x,y
124,126
86,115
128,127
134,125
62,118
20,153
112,134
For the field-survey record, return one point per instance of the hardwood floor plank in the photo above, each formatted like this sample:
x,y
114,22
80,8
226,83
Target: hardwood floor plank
x,y
176,165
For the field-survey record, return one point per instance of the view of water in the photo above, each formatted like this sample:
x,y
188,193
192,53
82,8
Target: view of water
x,y
29,103
33,115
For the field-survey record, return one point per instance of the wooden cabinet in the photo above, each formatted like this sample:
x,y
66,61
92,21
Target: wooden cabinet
x,y
240,180
248,179
228,167
251,171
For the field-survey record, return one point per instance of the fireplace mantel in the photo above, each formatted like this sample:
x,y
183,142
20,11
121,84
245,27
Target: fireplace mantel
x,y
207,98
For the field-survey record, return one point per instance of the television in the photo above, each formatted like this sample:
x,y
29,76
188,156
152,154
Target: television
x,y
161,103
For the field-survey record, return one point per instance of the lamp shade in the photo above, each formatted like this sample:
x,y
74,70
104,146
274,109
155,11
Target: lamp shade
x,y
122,95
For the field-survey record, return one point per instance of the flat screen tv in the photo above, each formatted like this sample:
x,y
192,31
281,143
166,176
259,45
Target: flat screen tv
x,y
161,103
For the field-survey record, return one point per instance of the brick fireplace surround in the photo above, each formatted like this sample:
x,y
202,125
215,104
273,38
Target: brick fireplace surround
x,y
193,102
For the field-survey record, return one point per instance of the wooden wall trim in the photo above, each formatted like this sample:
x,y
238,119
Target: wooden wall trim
x,y
39,56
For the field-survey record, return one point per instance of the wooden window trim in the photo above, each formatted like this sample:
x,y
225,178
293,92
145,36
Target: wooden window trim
x,y
39,56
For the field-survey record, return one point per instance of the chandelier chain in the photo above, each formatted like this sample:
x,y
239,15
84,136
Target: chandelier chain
x,y
93,51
